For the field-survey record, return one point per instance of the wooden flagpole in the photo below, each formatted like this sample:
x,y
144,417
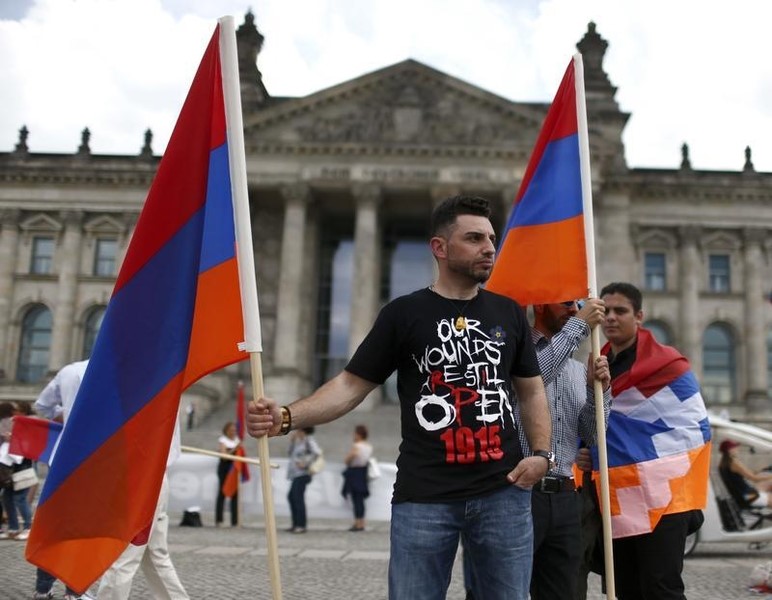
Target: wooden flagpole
x,y
247,279
233,457
239,495
589,236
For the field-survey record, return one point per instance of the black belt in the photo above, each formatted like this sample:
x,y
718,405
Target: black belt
x,y
553,485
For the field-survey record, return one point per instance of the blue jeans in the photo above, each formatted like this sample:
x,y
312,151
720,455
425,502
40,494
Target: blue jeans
x,y
297,500
497,534
15,503
44,583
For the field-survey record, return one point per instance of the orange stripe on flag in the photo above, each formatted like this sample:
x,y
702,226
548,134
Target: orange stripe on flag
x,y
101,525
217,323
542,264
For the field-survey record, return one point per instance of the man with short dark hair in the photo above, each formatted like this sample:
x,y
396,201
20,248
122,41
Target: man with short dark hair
x,y
459,351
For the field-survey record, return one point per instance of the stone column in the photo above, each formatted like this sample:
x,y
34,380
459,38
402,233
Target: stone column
x,y
9,242
756,397
507,201
68,261
367,271
287,352
365,290
690,267
612,237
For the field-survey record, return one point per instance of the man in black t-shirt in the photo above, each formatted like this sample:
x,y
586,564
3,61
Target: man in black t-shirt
x,y
458,351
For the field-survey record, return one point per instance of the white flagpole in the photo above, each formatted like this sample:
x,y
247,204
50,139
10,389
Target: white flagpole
x,y
589,236
248,282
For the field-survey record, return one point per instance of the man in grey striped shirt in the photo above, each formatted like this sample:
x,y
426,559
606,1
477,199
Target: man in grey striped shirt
x,y
557,332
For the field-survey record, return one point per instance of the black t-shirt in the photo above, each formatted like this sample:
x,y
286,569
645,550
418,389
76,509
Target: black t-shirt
x,y
459,438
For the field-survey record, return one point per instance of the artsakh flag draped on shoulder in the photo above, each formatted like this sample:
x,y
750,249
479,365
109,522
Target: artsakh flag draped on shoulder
x,y
542,257
34,438
658,440
175,315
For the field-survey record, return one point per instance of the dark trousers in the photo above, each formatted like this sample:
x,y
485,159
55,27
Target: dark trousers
x,y
556,544
648,567
219,507
44,582
591,537
297,500
358,500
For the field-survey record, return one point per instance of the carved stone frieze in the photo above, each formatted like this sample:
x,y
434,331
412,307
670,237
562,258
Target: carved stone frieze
x,y
407,104
410,113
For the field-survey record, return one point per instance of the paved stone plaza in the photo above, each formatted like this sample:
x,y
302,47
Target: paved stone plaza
x,y
329,563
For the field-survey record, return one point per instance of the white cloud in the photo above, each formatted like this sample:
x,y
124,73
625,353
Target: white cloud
x,y
688,71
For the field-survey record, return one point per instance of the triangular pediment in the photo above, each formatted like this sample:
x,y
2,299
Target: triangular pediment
x,y
720,240
406,104
104,224
41,223
654,239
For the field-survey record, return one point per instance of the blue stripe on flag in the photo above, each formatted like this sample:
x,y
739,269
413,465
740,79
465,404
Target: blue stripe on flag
x,y
219,243
555,192
142,344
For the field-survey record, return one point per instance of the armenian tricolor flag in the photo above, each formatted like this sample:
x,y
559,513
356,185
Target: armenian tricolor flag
x,y
543,254
176,314
34,438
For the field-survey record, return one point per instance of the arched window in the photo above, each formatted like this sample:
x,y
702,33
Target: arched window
x,y
35,344
660,331
718,362
91,328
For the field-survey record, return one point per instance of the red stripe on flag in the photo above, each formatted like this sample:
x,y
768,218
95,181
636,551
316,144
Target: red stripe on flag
x,y
547,263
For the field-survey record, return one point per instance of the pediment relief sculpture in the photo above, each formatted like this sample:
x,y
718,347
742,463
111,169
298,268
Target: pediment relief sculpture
x,y
408,106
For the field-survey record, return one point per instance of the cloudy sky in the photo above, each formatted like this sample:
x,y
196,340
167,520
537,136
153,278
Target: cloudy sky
x,y
695,71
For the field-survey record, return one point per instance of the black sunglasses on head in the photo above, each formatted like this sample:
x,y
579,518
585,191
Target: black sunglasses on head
x,y
570,303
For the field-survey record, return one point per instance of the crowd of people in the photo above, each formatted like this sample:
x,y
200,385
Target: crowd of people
x,y
495,413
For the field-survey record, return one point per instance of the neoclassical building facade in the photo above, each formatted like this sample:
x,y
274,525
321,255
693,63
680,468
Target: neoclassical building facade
x,y
341,185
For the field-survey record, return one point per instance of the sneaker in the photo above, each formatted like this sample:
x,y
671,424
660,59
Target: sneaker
x,y
298,530
85,596
43,596
22,535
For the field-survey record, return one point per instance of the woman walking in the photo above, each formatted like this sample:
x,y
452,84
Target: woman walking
x,y
355,476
